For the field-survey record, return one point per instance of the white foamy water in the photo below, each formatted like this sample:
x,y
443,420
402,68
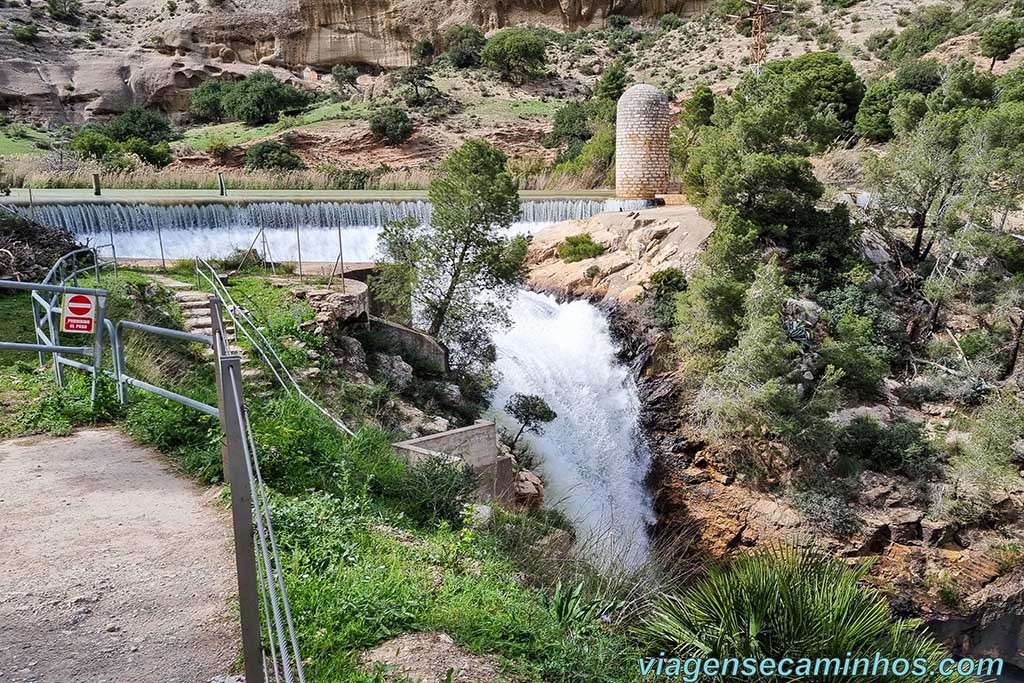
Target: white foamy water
x,y
216,230
593,457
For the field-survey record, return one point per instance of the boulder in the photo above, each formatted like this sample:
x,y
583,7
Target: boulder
x,y
395,371
528,490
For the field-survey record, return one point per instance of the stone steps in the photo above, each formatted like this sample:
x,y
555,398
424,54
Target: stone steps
x,y
196,319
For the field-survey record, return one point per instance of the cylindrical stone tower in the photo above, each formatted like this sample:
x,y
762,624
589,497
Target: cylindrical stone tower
x,y
641,143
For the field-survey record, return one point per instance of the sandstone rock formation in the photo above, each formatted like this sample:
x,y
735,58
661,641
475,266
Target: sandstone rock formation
x,y
639,243
152,56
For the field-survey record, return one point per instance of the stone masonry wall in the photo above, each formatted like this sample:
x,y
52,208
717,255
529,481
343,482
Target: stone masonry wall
x,y
641,143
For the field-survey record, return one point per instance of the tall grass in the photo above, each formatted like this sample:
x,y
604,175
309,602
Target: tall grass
x,y
42,172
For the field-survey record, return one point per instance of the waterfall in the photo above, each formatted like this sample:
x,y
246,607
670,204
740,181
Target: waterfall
x,y
593,457
215,230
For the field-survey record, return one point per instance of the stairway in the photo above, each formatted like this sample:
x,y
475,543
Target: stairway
x,y
197,319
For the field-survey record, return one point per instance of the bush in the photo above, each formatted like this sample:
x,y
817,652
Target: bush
x,y
579,247
66,11
435,489
919,75
853,350
464,43
786,603
660,292
422,51
207,100
25,33
873,115
392,124
670,21
272,155
141,124
261,98
517,53
901,447
613,82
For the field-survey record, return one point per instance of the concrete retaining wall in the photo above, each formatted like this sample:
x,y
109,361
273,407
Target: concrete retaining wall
x,y
418,343
477,446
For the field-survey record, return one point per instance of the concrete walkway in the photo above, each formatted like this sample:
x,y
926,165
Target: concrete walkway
x,y
21,196
112,567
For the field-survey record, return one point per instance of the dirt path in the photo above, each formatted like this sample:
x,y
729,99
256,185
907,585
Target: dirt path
x,y
112,567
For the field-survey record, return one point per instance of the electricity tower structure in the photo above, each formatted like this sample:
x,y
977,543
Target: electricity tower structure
x,y
758,17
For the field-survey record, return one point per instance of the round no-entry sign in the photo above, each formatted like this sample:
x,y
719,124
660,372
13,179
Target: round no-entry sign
x,y
78,314
80,304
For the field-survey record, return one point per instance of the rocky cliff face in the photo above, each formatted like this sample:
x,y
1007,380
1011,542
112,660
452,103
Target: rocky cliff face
x,y
151,55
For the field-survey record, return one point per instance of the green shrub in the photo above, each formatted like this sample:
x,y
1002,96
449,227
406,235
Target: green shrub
x,y
25,33
66,11
613,82
272,155
670,21
392,124
435,489
901,447
422,51
517,53
464,43
207,100
853,350
873,114
660,292
579,247
141,124
1000,40
786,603
260,98
825,502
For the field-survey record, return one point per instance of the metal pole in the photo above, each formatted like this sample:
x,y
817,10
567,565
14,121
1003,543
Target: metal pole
x,y
58,371
160,239
341,258
97,353
220,184
241,512
96,184
298,248
113,249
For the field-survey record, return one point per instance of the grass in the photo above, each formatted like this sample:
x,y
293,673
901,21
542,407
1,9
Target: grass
x,y
24,141
16,312
237,132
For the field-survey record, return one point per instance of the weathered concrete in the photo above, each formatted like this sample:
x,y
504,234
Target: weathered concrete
x,y
417,343
113,568
477,446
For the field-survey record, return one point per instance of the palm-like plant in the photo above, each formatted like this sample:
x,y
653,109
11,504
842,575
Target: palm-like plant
x,y
788,603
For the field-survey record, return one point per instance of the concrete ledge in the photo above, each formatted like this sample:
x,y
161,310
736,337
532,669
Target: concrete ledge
x,y
477,446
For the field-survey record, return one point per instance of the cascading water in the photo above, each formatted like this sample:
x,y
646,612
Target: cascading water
x,y
215,230
593,457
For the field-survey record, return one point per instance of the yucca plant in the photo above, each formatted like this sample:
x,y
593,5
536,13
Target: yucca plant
x,y
788,603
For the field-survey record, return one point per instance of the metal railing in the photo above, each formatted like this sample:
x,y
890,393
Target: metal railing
x,y
263,597
245,325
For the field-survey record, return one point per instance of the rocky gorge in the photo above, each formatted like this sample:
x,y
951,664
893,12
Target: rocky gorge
x,y
961,580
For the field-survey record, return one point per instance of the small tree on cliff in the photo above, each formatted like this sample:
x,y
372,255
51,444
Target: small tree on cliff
x,y
531,412
461,271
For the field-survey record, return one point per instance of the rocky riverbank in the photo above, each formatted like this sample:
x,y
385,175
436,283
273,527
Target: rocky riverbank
x,y
965,582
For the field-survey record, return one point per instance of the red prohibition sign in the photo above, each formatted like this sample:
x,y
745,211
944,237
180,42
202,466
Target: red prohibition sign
x,y
79,305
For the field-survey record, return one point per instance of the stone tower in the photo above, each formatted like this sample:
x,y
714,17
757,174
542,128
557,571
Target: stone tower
x,y
641,143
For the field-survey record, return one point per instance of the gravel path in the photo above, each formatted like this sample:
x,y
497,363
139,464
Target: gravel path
x,y
112,567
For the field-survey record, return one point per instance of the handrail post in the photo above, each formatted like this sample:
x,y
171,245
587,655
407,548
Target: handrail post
x,y
229,390
219,345
97,353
